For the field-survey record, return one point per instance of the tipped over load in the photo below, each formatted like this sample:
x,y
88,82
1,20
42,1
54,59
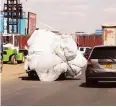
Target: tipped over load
x,y
50,55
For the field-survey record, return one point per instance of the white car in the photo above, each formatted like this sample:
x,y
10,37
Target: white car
x,y
83,49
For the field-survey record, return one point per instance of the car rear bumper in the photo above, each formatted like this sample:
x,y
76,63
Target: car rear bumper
x,y
103,76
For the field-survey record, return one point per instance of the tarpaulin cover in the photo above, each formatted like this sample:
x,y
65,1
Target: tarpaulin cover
x,y
51,55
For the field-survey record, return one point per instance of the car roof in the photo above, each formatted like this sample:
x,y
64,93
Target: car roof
x,y
102,46
84,47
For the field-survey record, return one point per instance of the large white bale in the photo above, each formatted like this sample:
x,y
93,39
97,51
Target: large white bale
x,y
51,55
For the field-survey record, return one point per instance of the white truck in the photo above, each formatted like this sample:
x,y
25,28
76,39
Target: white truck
x,y
109,34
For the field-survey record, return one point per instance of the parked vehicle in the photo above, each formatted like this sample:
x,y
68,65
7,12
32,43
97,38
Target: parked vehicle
x,y
83,49
109,34
12,52
101,65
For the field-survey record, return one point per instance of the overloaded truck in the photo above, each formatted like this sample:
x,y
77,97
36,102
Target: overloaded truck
x,y
109,34
13,51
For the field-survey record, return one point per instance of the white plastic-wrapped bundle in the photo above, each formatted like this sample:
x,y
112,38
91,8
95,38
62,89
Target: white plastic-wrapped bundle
x,y
51,55
66,47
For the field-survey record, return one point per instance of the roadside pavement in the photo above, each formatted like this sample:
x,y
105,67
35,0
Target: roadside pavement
x,y
12,71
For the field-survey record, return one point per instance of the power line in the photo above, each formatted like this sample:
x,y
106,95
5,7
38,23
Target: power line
x,y
49,26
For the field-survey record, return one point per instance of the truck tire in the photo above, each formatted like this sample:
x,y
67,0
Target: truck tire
x,y
62,76
13,59
32,74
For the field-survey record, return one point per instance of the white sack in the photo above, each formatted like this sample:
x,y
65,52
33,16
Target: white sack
x,y
41,41
78,64
66,48
51,55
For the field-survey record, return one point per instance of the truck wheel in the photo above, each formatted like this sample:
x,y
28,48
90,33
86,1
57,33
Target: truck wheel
x,y
62,76
22,61
31,74
13,59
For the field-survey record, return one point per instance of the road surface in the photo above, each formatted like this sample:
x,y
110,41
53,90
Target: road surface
x,y
24,91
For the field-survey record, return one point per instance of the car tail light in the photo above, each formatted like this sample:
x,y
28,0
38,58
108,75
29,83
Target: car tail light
x,y
86,55
90,66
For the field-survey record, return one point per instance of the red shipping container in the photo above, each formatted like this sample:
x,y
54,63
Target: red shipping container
x,y
80,40
23,41
98,40
90,41
87,41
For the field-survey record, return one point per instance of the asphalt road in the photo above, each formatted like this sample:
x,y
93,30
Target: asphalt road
x,y
29,92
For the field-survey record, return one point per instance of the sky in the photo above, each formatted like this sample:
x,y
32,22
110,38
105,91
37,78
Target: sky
x,y
70,16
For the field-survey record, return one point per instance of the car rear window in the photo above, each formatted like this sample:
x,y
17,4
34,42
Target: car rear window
x,y
103,53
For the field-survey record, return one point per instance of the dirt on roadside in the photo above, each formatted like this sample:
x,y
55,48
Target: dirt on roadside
x,y
12,71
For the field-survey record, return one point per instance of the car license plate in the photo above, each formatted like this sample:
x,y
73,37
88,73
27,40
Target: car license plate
x,y
108,66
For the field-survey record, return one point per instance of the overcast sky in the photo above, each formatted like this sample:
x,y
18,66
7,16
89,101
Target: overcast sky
x,y
72,15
